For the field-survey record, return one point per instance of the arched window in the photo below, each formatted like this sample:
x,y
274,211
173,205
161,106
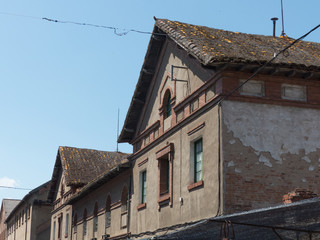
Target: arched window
x,y
95,218
75,222
85,222
167,104
108,212
124,199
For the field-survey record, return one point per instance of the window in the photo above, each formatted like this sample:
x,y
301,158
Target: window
x,y
143,184
29,209
54,231
95,218
165,171
75,222
59,226
196,163
294,92
124,207
85,222
108,212
164,175
198,160
67,225
124,199
252,88
168,105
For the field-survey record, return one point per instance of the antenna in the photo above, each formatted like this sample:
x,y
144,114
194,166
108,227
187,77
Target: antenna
x,y
118,129
282,33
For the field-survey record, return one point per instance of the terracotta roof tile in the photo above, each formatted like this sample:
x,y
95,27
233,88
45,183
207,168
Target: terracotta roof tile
x,y
211,45
83,165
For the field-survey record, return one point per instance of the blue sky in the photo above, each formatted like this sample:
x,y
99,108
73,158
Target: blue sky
x,y
62,84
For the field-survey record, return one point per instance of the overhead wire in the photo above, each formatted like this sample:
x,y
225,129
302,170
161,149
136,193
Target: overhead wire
x,y
267,63
125,32
16,188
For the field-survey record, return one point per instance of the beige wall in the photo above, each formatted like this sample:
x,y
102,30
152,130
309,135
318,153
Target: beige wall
x,y
31,218
187,205
192,77
113,188
60,210
197,204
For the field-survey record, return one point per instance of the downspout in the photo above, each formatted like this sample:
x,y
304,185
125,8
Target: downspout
x,y
220,162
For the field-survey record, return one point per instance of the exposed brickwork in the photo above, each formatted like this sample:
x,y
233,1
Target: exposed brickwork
x,y
251,183
297,195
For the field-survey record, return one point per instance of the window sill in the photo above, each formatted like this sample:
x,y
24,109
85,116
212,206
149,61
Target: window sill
x,y
142,206
195,185
164,198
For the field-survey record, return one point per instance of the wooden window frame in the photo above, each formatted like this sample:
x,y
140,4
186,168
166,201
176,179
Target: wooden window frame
x,y
163,155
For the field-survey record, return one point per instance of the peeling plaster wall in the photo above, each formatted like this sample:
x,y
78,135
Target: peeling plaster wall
x,y
268,151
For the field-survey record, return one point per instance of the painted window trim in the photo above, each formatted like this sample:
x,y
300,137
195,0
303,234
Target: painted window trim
x,y
165,153
195,161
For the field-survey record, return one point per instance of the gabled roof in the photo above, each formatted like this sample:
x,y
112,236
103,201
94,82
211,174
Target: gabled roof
x,y
80,165
209,46
8,205
100,180
42,189
212,47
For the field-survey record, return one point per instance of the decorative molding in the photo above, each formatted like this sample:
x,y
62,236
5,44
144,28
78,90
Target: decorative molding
x,y
165,150
115,205
192,131
141,206
195,185
142,162
164,198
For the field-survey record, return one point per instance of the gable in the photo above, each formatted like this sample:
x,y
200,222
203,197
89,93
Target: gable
x,y
212,49
75,167
187,77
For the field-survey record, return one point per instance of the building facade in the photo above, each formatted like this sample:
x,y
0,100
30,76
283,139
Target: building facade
x,y
74,169
7,206
206,141
30,219
100,209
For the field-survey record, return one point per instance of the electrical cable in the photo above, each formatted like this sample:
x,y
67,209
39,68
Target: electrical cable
x,y
17,188
267,63
116,30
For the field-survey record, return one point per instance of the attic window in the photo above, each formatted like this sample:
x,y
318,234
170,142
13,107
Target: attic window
x,y
168,105
252,88
293,92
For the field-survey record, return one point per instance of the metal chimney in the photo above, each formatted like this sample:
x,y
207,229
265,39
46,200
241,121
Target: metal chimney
x,y
274,20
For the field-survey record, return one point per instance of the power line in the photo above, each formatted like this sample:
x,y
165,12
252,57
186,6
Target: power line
x,y
117,31
16,188
267,63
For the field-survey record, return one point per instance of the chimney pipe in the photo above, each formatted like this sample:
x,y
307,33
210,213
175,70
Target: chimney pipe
x,y
274,26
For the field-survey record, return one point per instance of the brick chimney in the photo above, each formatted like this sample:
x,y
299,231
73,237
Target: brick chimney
x,y
297,195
